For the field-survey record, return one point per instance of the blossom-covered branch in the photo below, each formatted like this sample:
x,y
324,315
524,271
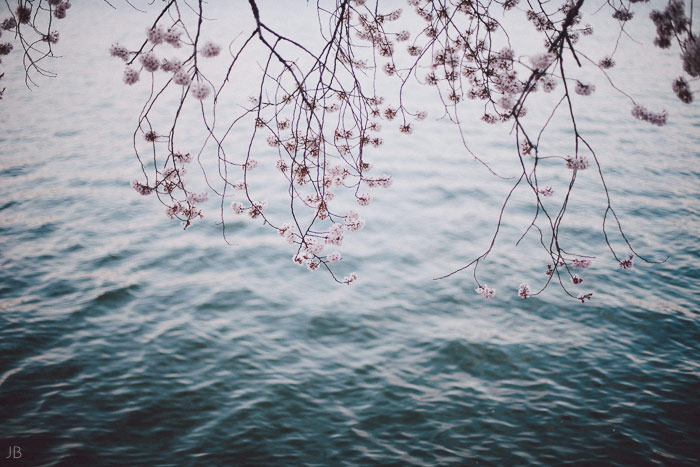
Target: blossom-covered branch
x,y
318,106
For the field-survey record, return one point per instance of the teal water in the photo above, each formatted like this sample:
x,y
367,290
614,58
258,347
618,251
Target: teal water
x,y
125,340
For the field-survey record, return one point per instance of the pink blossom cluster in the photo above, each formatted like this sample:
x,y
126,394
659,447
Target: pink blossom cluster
x,y
524,291
546,191
641,113
52,37
581,263
548,84
23,14
577,163
313,246
131,76
584,89
150,136
60,8
172,37
691,56
119,51
8,24
627,263
5,48
287,233
363,199
353,221
351,278
209,49
606,63
335,235
197,197
186,210
384,181
182,158
238,208
200,91
156,35
485,291
141,188
255,209
149,62
171,65
542,61
333,257
682,89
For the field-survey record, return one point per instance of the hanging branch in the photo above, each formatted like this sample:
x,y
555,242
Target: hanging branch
x,y
317,106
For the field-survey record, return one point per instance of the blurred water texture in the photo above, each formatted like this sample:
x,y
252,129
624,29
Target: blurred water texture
x,y
124,340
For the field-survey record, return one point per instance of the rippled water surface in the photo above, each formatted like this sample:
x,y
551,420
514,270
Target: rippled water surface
x,y
125,340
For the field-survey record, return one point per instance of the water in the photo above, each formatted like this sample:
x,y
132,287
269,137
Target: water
x,y
124,340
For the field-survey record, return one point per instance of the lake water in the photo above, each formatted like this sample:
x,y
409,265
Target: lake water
x,y
125,340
